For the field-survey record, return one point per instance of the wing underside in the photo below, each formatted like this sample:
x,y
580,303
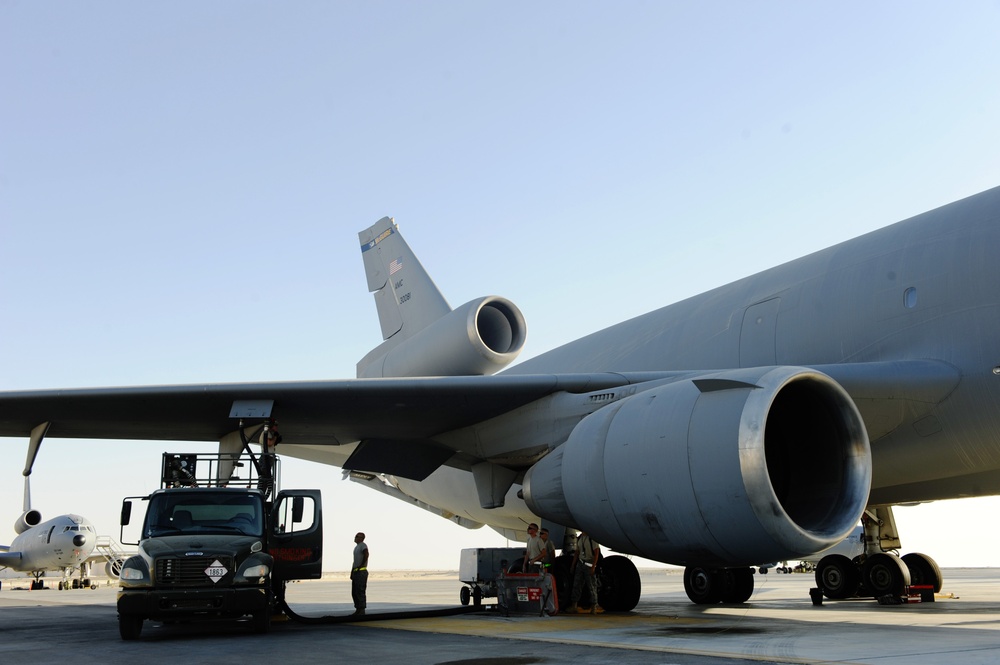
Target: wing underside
x,y
400,421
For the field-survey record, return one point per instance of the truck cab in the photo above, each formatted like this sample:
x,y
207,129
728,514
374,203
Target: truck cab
x,y
217,549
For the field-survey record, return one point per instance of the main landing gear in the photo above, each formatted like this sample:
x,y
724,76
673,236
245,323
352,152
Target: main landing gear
x,y
66,583
878,572
618,582
710,586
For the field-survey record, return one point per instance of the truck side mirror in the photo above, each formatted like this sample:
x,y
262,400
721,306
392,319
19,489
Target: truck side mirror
x,y
126,512
298,505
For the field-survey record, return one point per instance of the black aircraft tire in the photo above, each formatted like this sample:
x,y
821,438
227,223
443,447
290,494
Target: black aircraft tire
x,y
837,577
464,596
620,585
923,570
737,585
885,575
703,585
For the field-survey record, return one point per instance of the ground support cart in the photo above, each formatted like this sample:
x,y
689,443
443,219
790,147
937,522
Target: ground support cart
x,y
522,593
480,567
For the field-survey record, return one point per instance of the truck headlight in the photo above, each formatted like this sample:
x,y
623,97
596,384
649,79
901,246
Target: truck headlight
x,y
260,570
135,572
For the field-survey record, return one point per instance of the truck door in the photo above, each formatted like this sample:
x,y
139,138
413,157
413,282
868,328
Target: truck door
x,y
296,537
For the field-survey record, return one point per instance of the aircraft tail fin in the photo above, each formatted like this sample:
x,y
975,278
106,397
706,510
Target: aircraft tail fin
x,y
423,335
406,297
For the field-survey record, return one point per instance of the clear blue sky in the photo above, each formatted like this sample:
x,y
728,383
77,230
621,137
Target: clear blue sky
x,y
181,185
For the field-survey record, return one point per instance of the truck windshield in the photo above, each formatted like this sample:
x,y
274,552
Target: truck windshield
x,y
199,512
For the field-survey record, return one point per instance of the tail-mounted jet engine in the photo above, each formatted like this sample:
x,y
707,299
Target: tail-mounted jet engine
x,y
479,338
27,520
734,468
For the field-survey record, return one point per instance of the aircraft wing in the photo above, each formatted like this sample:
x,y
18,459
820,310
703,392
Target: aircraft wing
x,y
405,413
320,412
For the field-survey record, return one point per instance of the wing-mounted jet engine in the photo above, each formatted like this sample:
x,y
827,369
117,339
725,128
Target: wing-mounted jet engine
x,y
716,473
423,335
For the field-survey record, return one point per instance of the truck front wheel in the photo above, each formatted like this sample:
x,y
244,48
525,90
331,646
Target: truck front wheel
x,y
261,621
129,626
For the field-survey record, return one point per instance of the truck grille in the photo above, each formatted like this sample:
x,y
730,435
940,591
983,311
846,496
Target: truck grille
x,y
194,571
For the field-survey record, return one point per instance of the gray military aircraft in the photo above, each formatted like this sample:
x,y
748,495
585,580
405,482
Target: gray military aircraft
x,y
64,543
756,422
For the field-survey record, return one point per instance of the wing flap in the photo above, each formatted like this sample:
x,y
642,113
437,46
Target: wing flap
x,y
410,459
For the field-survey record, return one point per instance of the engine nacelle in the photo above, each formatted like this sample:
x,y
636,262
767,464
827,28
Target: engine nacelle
x,y
734,468
27,520
113,567
480,337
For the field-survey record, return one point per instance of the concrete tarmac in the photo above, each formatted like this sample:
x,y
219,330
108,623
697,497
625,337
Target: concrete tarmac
x,y
778,625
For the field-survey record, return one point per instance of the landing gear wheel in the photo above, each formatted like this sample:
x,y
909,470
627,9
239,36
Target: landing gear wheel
x,y
923,570
885,575
703,585
477,597
129,626
465,595
837,577
737,585
619,584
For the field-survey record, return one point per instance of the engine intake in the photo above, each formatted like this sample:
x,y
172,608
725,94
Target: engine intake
x,y
27,520
734,468
481,337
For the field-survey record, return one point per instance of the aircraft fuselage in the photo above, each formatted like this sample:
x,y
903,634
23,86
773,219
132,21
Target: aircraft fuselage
x,y
56,544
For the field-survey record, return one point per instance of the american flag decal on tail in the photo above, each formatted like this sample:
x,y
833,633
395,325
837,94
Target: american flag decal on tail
x,y
395,266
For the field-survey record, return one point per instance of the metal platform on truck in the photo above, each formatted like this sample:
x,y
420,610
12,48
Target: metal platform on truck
x,y
221,470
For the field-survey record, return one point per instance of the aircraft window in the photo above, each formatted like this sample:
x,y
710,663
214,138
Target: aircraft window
x,y
910,297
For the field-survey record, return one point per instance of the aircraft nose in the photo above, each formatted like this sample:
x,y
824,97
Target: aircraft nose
x,y
79,539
